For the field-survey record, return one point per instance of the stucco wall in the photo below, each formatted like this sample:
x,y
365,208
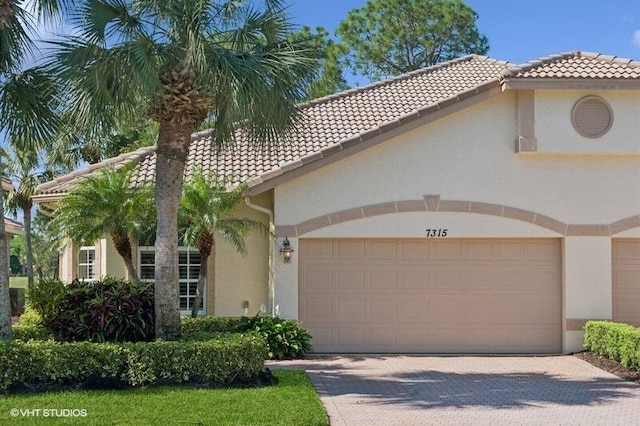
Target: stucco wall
x,y
238,277
111,262
555,133
470,156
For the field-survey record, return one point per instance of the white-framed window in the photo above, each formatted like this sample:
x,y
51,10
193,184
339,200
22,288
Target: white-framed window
x,y
189,269
87,263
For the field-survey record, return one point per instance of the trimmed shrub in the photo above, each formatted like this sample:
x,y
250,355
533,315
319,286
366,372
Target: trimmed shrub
x,y
109,310
31,332
617,341
236,358
29,327
30,317
204,328
45,297
284,338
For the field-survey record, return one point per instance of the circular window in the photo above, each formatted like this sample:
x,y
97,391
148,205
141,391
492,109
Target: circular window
x,y
592,117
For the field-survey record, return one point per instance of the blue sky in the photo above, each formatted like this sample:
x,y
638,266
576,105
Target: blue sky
x,y
520,31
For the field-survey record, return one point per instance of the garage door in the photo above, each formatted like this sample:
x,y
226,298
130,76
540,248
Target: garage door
x,y
431,296
626,281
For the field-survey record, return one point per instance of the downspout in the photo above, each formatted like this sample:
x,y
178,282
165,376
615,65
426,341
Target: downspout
x,y
272,248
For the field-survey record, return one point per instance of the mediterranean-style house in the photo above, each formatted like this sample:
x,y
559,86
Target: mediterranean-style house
x,y
474,206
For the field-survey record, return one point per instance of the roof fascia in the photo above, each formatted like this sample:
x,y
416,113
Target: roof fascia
x,y
12,229
373,137
48,198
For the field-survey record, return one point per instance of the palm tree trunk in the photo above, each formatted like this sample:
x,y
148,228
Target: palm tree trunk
x,y
122,244
26,212
202,281
6,332
171,156
8,9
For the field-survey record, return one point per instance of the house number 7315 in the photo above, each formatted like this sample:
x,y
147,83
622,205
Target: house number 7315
x,y
437,232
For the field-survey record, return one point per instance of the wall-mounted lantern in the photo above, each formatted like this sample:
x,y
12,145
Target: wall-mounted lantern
x,y
286,250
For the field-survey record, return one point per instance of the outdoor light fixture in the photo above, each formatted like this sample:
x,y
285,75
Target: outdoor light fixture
x,y
286,250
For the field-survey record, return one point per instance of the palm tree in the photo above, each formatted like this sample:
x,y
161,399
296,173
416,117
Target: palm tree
x,y
184,61
25,169
207,210
107,204
25,107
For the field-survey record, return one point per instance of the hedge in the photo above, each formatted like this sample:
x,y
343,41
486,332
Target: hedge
x,y
234,358
285,339
203,327
617,341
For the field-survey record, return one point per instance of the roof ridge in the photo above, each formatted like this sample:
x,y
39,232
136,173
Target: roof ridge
x,y
387,81
545,60
529,65
127,156
610,58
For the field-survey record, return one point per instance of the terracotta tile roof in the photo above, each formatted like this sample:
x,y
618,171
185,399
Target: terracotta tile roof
x,y
577,65
62,184
335,122
326,122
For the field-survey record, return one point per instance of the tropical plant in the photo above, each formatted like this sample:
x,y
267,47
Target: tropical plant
x,y
27,107
284,338
108,310
389,37
46,247
25,169
107,203
183,61
207,210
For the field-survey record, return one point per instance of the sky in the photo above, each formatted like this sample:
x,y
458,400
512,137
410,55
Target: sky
x,y
520,31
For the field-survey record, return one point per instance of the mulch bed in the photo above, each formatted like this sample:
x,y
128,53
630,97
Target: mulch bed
x,y
610,366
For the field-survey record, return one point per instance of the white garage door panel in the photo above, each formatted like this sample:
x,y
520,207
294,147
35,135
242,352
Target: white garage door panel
x,y
492,296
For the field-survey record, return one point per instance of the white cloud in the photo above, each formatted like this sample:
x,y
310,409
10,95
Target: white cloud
x,y
636,38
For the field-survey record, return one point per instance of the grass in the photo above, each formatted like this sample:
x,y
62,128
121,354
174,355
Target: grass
x,y
17,282
293,401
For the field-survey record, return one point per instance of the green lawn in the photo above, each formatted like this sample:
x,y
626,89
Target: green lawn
x,y
17,282
292,402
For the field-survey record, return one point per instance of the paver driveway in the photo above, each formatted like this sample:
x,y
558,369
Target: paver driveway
x,y
466,390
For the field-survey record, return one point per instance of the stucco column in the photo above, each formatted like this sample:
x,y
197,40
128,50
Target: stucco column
x,y
67,263
286,282
587,286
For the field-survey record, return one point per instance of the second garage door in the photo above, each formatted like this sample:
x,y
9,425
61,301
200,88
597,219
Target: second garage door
x,y
431,296
626,281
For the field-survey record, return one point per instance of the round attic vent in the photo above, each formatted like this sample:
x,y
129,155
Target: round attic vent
x,y
592,116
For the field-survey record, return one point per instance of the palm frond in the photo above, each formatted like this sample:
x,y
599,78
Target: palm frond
x,y
104,84
29,107
15,42
208,207
103,204
102,20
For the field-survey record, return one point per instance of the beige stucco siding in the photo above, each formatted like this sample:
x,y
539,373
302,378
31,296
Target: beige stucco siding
x,y
111,262
470,157
240,277
555,133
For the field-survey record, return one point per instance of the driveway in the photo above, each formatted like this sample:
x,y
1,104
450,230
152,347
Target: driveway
x,y
469,390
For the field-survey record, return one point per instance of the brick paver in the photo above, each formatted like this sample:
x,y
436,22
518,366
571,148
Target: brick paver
x,y
469,390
